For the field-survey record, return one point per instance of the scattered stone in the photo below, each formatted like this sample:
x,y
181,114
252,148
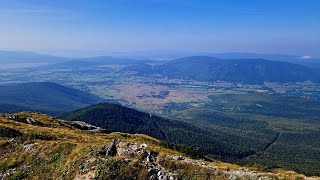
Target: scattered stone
x,y
152,156
91,160
82,125
8,173
29,147
143,146
31,121
131,149
180,158
12,117
153,177
86,176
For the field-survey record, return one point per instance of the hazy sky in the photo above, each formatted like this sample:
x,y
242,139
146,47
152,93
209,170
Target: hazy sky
x,y
261,26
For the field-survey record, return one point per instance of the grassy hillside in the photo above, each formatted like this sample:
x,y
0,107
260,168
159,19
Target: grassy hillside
x,y
45,96
37,146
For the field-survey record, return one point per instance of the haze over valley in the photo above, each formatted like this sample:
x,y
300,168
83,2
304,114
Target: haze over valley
x,y
160,90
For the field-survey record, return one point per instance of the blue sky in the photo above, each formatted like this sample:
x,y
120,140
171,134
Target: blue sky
x,y
259,26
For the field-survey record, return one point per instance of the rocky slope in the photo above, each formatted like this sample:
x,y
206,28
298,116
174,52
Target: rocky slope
x,y
37,146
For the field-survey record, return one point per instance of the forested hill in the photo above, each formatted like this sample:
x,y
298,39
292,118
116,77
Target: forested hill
x,y
203,68
45,96
116,118
10,108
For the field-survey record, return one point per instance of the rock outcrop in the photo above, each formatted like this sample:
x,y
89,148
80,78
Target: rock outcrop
x,y
36,146
157,167
111,150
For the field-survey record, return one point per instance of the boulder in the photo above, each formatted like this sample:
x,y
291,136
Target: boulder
x,y
111,150
152,156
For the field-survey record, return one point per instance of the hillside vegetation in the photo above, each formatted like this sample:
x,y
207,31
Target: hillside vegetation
x,y
122,119
45,96
231,136
10,108
288,125
37,146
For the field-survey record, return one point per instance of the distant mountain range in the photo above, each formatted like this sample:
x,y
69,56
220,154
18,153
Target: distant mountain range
x,y
304,60
233,67
169,55
91,63
43,96
204,68
13,57
7,57
172,54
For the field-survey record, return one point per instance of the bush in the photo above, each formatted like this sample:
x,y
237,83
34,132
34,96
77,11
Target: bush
x,y
8,132
40,136
189,151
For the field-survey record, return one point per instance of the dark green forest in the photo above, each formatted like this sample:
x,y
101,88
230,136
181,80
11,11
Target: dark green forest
x,y
43,97
240,138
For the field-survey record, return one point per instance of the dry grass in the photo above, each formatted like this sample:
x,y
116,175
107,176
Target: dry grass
x,y
57,150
